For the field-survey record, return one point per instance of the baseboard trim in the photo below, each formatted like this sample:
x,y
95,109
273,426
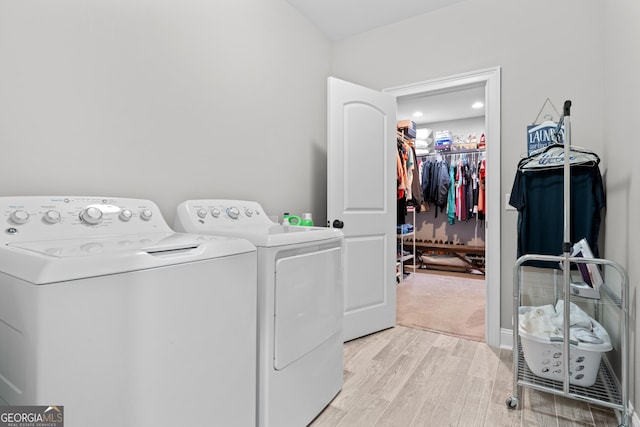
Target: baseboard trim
x,y
506,342
506,338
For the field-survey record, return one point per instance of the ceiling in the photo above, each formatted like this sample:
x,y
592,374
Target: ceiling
x,y
339,19
443,106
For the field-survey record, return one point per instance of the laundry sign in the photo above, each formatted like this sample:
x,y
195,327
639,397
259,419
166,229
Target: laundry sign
x,y
541,135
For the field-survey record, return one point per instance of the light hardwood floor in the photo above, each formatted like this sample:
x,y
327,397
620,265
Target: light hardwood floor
x,y
404,377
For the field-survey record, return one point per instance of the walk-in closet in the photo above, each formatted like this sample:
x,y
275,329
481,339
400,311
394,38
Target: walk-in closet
x,y
441,205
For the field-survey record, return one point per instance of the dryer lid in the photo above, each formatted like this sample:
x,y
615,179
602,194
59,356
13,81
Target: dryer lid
x,y
278,235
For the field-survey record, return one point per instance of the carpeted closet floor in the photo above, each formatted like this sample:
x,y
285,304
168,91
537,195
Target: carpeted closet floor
x,y
447,303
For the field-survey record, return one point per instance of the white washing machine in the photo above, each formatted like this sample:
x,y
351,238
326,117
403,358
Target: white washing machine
x,y
300,306
109,313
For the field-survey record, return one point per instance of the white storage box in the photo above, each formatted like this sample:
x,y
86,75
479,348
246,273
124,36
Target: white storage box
x,y
543,353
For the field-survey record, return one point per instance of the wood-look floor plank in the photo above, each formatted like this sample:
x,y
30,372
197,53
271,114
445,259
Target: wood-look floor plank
x,y
365,413
504,371
371,362
446,342
485,362
566,422
465,349
330,417
409,399
351,348
362,357
439,401
388,386
538,409
472,402
498,415
573,409
604,417
455,365
358,385
397,345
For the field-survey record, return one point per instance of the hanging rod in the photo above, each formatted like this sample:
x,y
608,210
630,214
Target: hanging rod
x,y
453,152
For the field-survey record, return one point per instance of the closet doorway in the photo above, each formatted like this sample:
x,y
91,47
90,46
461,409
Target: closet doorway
x,y
487,83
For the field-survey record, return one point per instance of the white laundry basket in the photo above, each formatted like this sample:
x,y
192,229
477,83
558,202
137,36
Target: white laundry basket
x,y
545,359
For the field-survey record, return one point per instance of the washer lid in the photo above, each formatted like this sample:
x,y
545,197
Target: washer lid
x,y
50,261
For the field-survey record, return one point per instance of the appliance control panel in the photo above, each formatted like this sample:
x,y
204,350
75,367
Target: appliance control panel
x,y
31,218
225,212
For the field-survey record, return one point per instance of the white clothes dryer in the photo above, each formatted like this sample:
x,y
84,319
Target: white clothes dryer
x,y
300,306
107,312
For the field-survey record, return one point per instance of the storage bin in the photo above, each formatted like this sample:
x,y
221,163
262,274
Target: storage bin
x,y
408,127
443,140
544,354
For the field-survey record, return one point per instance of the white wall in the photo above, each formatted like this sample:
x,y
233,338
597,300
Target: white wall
x,y
166,100
620,154
545,48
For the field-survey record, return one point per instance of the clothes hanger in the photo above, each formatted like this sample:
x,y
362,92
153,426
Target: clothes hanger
x,y
552,157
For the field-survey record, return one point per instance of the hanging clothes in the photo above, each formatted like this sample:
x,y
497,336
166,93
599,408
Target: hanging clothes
x,y
399,176
415,185
409,167
538,195
469,168
482,209
401,200
451,205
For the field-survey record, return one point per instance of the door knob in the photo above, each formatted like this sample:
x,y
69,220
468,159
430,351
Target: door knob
x,y
337,223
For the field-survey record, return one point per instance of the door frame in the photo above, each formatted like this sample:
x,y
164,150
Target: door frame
x,y
490,78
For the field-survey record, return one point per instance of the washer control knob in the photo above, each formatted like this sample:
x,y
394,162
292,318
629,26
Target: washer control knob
x,y
233,213
19,217
215,213
125,215
146,214
248,212
91,216
52,217
202,213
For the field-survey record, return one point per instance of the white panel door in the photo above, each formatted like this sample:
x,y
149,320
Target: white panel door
x,y
361,192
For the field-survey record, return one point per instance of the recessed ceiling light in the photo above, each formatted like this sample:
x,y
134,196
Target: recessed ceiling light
x,y
477,104
417,114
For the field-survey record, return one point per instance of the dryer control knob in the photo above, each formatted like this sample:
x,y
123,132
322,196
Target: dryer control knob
x,y
215,213
202,213
125,215
146,214
52,217
248,212
91,216
233,213
19,216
